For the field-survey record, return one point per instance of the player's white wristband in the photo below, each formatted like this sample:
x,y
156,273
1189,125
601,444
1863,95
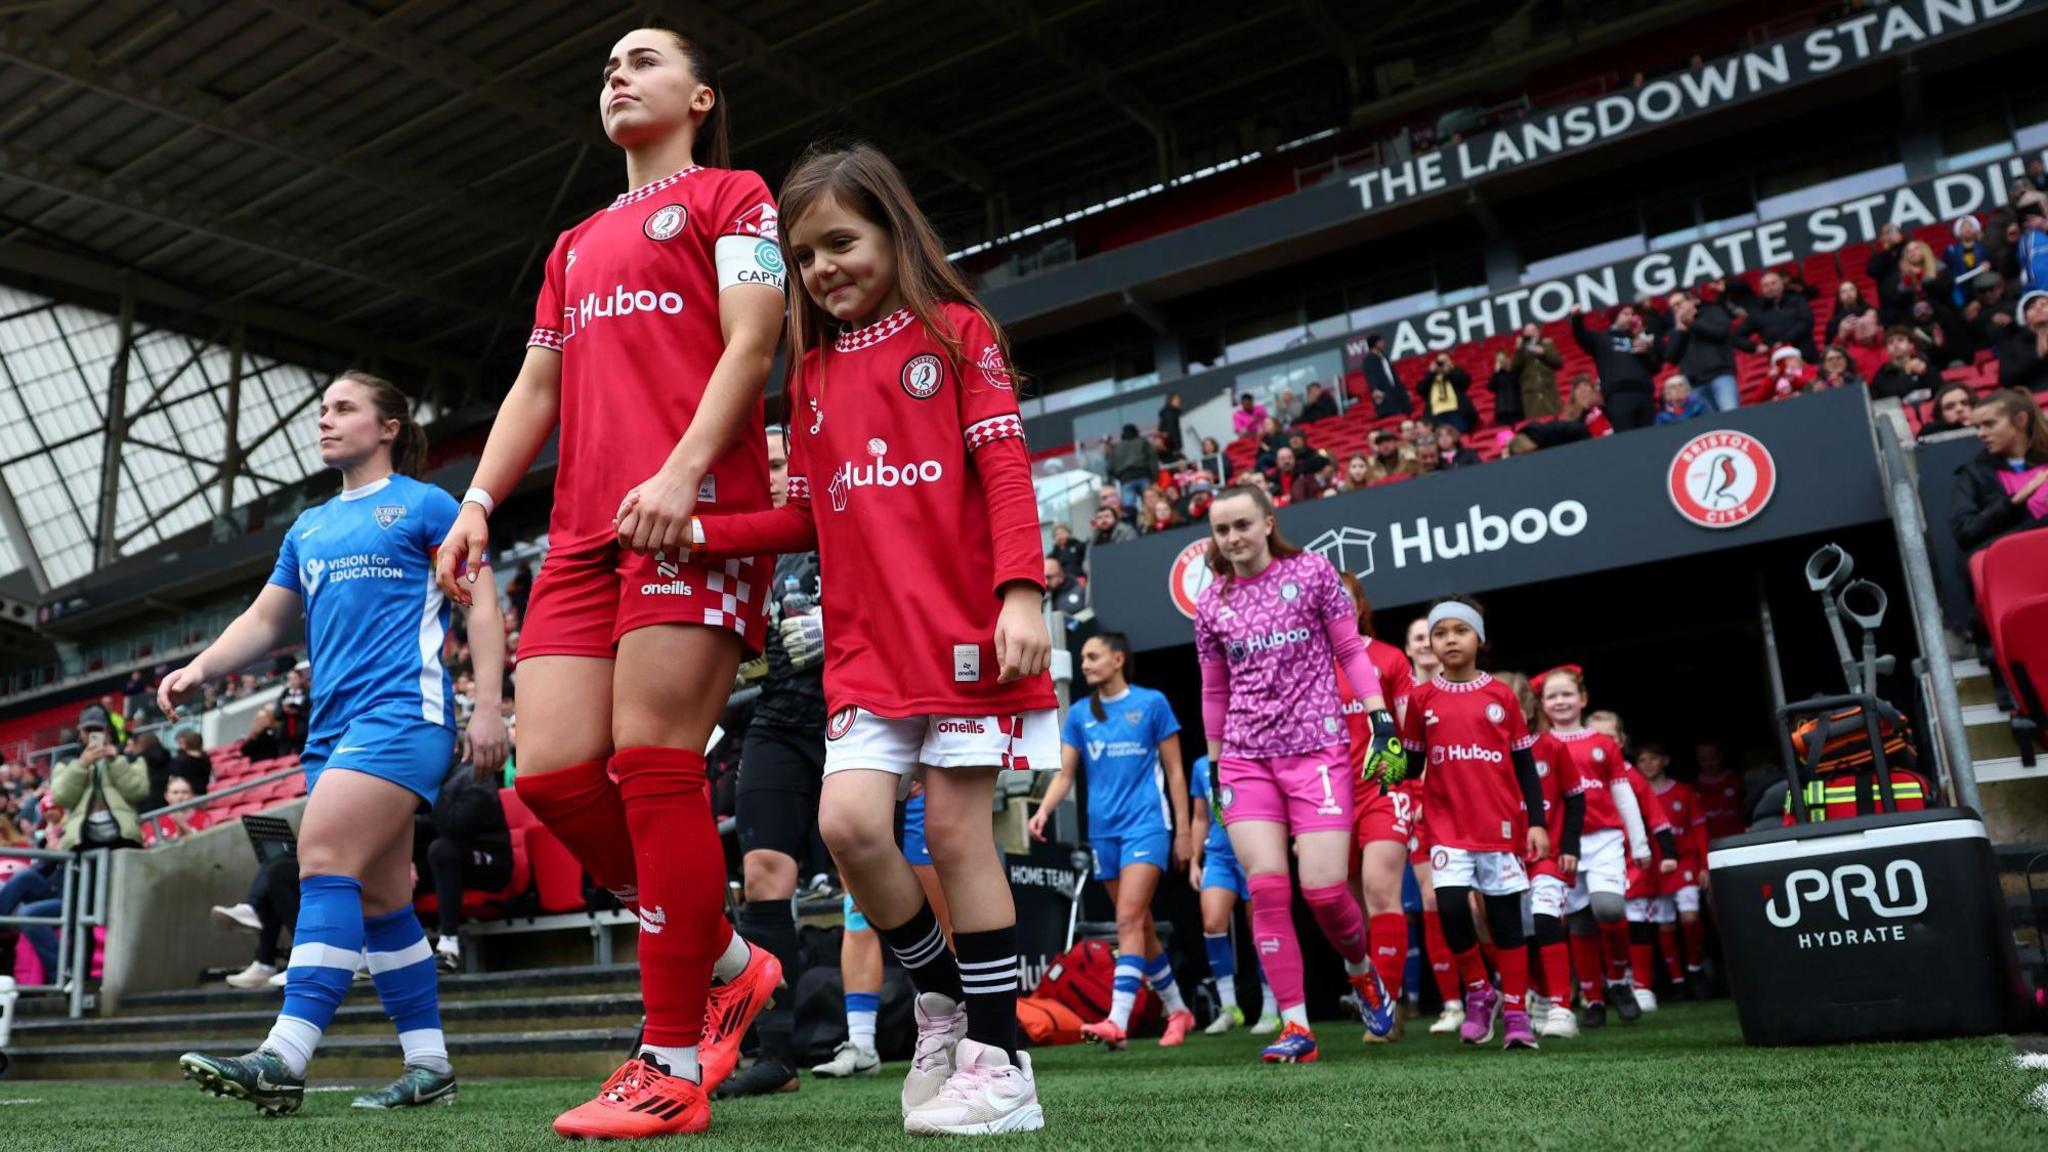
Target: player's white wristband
x,y
481,499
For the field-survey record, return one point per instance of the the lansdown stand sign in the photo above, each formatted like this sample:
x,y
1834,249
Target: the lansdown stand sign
x,y
1764,473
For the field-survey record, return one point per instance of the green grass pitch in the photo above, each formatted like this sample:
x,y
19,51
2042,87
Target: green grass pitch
x,y
1681,1079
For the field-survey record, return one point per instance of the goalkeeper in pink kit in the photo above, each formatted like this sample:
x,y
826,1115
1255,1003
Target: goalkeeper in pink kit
x,y
1270,634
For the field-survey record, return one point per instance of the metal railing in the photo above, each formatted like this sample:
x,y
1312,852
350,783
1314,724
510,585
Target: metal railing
x,y
206,798
82,891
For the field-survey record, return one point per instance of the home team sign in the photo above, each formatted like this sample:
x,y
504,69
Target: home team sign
x,y
1774,243
1883,31
1786,469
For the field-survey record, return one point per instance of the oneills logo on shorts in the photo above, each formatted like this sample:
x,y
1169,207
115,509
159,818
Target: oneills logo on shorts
x,y
671,582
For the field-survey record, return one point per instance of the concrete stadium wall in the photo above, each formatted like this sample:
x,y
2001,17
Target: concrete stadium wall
x,y
159,934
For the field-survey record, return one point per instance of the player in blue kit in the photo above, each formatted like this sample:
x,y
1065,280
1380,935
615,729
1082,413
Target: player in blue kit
x,y
361,567
1128,742
1214,873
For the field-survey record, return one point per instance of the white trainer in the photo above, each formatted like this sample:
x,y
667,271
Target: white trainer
x,y
1646,1000
1559,1023
256,975
277,979
986,1094
1231,1017
931,1062
1268,1023
1452,1019
448,954
1539,1007
240,917
849,1059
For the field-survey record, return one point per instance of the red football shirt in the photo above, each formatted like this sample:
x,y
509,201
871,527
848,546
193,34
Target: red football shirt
x,y
1599,762
629,298
1396,681
1688,822
927,512
1645,880
1560,777
1721,804
1465,732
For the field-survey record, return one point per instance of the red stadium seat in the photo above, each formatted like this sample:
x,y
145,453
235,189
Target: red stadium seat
x,y
2023,654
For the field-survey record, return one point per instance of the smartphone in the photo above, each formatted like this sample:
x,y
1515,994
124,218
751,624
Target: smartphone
x,y
95,738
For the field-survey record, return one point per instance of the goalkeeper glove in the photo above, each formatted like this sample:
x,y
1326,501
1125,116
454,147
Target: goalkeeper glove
x,y
803,638
1386,759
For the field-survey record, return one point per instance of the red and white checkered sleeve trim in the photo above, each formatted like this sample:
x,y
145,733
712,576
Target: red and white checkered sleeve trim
x,y
545,338
1524,743
800,488
986,432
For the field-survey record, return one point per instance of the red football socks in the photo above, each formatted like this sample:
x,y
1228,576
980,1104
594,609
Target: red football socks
x,y
1586,958
681,869
1642,959
581,806
1614,941
1472,969
1557,972
1514,977
1667,943
1442,967
1389,933
1695,946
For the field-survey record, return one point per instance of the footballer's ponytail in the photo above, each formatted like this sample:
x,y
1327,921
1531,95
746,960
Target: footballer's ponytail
x,y
409,447
713,148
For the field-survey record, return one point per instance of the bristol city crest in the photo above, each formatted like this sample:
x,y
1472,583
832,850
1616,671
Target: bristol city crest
x,y
1722,479
666,222
841,723
1189,575
923,374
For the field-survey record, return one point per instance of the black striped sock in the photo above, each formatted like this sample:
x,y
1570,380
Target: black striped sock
x,y
988,974
921,948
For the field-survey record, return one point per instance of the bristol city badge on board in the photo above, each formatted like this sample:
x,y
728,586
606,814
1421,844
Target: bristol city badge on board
x,y
1189,575
1722,479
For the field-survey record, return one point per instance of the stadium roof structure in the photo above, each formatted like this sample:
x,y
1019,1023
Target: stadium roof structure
x,y
270,189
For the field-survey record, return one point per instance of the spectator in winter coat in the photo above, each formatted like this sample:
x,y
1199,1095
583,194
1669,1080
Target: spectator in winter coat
x,y
1986,320
1507,392
1701,343
1321,405
1169,421
2032,252
1625,360
1680,401
1849,304
1110,528
1790,373
1952,409
1072,554
1535,363
1906,372
1863,339
98,788
2023,355
1389,396
2005,488
1775,316
1909,293
1133,463
1443,388
1451,450
1248,417
1286,409
1837,370
1968,259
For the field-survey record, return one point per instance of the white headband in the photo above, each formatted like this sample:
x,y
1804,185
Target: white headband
x,y
1454,610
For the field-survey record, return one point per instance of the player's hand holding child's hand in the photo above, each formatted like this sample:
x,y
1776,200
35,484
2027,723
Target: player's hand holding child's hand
x,y
655,515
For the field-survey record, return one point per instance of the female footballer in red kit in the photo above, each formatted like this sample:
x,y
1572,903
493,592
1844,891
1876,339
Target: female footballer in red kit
x,y
654,331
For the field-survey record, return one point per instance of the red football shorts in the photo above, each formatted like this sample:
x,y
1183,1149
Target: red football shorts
x,y
589,594
1383,815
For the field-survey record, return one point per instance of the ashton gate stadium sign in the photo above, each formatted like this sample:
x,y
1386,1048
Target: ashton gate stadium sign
x,y
1762,473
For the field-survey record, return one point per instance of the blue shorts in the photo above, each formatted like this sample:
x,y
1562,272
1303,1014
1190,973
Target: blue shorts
x,y
1113,853
1220,870
855,921
389,745
914,848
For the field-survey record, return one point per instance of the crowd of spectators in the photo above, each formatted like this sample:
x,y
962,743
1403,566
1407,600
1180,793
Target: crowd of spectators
x,y
1982,299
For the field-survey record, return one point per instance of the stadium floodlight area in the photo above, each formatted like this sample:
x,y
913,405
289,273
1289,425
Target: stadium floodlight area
x,y
58,369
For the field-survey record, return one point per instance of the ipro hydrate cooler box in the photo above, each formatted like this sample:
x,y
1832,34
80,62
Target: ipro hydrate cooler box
x,y
1883,927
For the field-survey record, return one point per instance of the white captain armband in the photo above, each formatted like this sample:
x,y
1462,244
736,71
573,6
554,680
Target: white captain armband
x,y
748,260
